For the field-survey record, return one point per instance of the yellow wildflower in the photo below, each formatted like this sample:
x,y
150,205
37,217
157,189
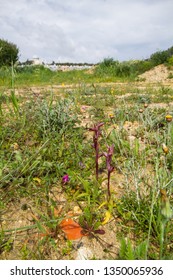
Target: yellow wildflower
x,y
168,118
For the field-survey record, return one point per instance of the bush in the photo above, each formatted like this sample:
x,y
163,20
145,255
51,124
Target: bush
x,y
8,53
114,68
170,61
107,62
141,66
159,57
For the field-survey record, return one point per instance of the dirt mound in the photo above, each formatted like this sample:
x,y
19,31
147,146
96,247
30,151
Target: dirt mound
x,y
159,73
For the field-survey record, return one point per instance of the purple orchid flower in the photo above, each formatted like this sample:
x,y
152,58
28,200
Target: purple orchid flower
x,y
65,179
110,168
97,133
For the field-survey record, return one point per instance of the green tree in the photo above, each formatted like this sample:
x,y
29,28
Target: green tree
x,y
8,53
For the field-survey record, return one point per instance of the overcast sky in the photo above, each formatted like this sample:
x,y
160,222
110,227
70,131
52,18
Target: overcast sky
x,y
87,30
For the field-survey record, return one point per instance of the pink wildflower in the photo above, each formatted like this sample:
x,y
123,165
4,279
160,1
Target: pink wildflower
x,y
65,179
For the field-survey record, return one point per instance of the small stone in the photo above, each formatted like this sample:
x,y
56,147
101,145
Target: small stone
x,y
84,253
77,210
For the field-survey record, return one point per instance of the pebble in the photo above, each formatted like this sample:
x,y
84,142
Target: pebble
x,y
84,253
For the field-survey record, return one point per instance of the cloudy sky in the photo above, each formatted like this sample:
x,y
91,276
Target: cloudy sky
x,y
87,30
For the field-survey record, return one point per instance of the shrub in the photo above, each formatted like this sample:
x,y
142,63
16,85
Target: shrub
x,y
8,53
141,66
159,57
170,61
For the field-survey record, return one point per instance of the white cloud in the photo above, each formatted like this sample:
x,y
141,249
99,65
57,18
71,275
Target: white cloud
x,y
87,30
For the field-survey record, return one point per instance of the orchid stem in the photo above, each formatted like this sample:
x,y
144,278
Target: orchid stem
x,y
109,193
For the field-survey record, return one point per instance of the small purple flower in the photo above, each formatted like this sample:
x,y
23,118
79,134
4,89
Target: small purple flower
x,y
65,179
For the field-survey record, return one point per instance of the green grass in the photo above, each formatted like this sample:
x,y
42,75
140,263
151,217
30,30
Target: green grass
x,y
39,76
44,136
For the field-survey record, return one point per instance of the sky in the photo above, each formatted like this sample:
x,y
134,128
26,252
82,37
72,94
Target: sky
x,y
87,30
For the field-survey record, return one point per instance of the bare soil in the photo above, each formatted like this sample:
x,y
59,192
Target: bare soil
x,y
158,74
17,217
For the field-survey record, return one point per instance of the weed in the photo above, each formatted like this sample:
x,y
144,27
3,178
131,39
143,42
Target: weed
x,y
166,215
127,252
48,172
90,223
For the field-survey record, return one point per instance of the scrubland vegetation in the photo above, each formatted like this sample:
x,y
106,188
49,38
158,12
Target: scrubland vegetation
x,y
86,156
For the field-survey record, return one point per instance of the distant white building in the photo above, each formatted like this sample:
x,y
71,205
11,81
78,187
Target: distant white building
x,y
36,61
